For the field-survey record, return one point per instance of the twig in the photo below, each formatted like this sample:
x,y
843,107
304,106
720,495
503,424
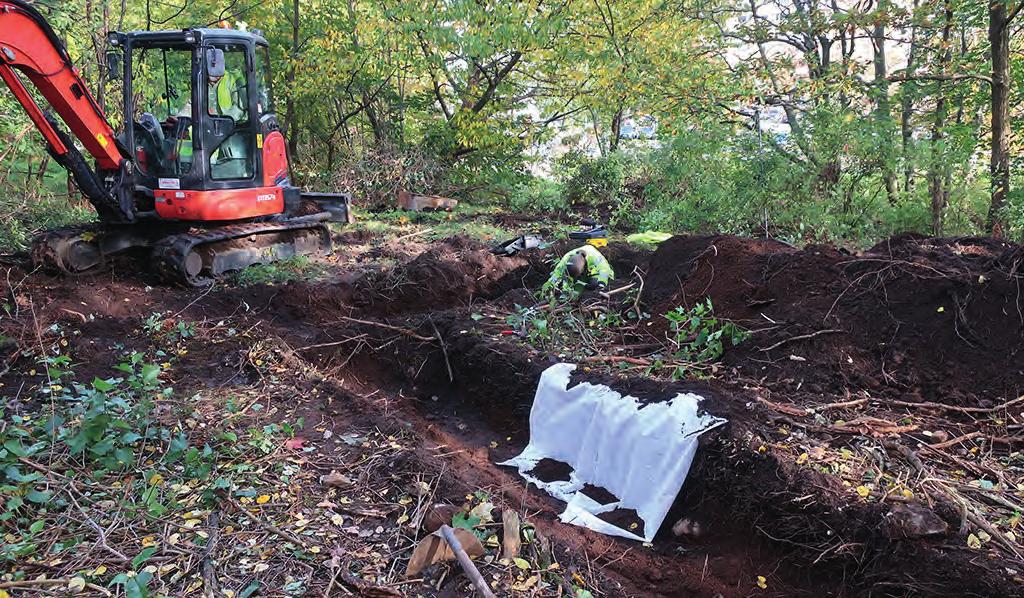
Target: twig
x,y
467,564
930,405
801,338
955,441
331,344
63,581
411,235
615,359
404,331
444,349
839,405
607,294
788,410
209,568
99,530
263,524
75,313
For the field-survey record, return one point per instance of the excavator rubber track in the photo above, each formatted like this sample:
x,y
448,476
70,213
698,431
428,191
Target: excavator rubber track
x,y
68,250
198,258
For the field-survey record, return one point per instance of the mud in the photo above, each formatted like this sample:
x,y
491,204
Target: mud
x,y
550,470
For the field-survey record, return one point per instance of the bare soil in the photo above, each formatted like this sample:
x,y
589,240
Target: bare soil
x,y
413,346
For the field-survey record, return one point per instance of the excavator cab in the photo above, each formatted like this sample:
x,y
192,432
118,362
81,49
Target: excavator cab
x,y
201,116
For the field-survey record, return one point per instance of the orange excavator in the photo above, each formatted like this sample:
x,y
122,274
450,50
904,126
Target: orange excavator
x,y
197,176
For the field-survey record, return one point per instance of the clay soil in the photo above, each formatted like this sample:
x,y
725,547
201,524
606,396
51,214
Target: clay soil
x,y
413,335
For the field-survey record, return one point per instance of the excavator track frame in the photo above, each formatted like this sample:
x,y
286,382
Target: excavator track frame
x,y
191,257
197,259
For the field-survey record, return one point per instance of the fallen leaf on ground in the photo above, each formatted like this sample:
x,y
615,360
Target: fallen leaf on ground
x,y
510,542
336,480
434,549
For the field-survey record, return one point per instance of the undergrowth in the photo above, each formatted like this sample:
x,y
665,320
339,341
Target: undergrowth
x,y
294,268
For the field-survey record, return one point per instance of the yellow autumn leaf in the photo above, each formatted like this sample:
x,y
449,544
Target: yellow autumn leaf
x,y
521,563
76,584
99,570
762,582
156,479
863,491
263,499
802,458
974,542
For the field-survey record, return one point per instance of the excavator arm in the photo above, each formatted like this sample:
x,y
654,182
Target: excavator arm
x,y
28,45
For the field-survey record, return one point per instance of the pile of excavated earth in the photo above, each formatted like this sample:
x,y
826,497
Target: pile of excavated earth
x,y
873,435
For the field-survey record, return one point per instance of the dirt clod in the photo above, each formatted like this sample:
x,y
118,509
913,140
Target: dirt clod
x,y
550,470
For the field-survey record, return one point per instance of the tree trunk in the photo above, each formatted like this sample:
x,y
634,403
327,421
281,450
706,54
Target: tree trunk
x,y
938,187
616,130
292,123
907,110
999,164
882,89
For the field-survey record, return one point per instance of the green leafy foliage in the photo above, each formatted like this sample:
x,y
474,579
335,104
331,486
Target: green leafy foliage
x,y
699,337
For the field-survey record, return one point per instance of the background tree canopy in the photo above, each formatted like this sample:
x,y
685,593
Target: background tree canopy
x,y
802,119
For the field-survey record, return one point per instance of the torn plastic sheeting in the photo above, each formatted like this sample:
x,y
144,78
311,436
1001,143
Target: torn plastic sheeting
x,y
640,453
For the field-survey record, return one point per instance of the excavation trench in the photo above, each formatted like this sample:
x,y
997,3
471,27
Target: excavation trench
x,y
744,519
741,515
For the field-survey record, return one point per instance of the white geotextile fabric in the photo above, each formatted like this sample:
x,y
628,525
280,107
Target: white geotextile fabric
x,y
641,454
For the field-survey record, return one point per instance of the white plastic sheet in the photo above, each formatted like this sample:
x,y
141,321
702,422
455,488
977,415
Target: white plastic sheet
x,y
640,453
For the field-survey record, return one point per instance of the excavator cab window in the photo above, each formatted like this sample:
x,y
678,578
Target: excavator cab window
x,y
264,98
228,98
162,110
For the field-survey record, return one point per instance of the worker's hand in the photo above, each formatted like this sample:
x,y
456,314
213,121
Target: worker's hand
x,y
595,285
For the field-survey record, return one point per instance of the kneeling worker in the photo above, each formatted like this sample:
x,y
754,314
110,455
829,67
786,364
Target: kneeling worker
x,y
581,269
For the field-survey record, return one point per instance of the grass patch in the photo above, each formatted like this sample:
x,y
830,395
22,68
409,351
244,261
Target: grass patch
x,y
295,268
23,216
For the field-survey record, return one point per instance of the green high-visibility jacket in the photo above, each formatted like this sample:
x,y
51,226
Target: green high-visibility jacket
x,y
597,268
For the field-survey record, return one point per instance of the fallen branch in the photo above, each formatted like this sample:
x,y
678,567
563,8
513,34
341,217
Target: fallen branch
x,y
930,405
209,570
615,359
802,337
608,294
787,409
63,581
411,235
405,331
444,349
467,564
99,530
948,496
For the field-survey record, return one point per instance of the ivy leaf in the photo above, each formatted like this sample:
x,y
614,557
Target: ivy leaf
x,y
38,496
150,373
143,556
102,385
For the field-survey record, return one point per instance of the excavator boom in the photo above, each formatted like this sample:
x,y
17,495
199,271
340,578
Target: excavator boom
x,y
28,44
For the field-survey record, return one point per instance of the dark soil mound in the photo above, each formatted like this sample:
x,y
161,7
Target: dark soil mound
x,y
450,274
926,319
551,470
